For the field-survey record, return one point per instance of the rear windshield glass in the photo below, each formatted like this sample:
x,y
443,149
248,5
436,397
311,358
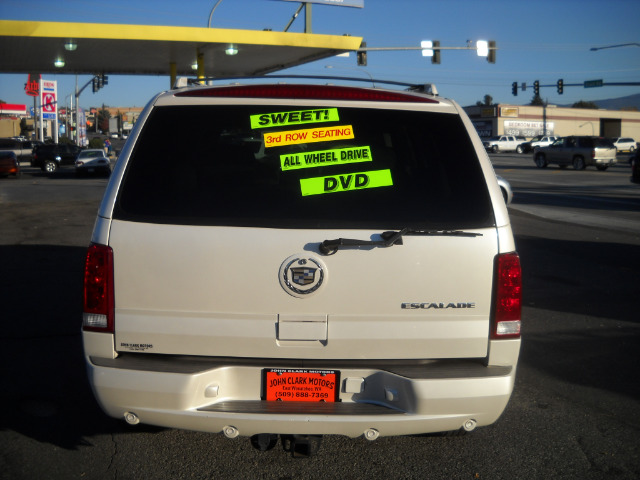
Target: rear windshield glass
x,y
602,142
284,167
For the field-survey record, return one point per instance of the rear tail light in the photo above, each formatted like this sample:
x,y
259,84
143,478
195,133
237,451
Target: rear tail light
x,y
98,308
314,92
508,297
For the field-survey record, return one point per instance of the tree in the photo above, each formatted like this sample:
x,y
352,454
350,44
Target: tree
x,y
583,104
488,101
537,100
24,128
103,119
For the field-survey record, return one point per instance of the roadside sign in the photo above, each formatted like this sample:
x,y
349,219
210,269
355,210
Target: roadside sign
x,y
49,107
32,87
593,83
48,99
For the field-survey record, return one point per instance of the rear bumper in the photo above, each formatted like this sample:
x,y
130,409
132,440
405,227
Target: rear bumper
x,y
184,392
603,161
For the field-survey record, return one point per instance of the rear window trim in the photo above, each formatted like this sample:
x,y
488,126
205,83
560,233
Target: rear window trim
x,y
119,212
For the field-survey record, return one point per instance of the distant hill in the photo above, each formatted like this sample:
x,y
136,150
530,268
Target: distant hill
x,y
616,103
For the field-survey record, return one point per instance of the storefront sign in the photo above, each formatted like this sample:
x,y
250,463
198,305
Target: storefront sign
x,y
32,87
523,128
484,128
509,112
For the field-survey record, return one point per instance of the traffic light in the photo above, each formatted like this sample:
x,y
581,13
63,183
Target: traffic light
x,y
514,89
536,88
99,81
491,58
560,86
362,55
436,52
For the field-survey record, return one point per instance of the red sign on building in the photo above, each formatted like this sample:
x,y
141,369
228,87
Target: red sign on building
x,y
12,109
32,87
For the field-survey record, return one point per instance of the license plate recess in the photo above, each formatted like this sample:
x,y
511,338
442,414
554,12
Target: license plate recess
x,y
300,385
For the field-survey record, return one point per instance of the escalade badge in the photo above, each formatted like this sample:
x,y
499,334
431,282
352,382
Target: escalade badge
x,y
301,275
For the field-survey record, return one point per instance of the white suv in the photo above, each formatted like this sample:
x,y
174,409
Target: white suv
x,y
316,262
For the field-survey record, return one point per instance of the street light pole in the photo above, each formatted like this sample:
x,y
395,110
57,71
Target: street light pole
x,y
593,49
212,10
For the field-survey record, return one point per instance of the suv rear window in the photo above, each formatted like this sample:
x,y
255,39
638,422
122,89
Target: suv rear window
x,y
296,167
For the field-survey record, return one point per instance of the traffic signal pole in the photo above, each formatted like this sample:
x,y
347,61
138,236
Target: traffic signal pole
x,y
434,47
98,81
560,84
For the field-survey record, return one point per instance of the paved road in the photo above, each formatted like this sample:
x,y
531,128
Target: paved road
x,y
587,197
574,412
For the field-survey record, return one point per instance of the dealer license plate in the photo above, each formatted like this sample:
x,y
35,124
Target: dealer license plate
x,y
300,385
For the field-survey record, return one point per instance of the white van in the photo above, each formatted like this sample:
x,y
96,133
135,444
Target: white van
x,y
318,261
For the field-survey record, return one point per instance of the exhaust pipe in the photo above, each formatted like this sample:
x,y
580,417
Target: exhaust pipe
x,y
230,432
371,434
470,425
131,418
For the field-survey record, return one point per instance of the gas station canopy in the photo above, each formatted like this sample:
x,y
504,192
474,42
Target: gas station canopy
x,y
93,48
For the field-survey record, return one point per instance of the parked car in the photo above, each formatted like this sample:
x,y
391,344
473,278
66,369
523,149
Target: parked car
x,y
578,151
537,142
50,157
21,149
504,143
505,188
9,164
92,161
624,144
345,279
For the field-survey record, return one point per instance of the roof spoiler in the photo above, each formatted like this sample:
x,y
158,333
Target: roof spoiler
x,y
428,88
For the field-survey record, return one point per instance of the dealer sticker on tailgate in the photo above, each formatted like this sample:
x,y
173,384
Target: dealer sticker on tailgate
x,y
300,385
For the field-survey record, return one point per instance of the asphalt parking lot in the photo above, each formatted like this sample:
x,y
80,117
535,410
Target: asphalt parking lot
x,y
574,412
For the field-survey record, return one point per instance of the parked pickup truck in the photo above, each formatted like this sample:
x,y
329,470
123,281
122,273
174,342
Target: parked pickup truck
x,y
537,142
504,143
23,150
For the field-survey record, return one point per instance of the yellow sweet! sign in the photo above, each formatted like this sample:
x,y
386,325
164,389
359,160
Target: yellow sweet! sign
x,y
278,119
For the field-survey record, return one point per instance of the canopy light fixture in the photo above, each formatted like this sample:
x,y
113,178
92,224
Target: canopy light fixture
x,y
59,63
231,50
70,46
194,66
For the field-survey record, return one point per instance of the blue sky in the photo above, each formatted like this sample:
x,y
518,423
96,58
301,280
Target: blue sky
x,y
539,40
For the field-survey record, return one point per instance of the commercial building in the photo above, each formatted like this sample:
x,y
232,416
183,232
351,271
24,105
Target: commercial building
x,y
529,121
